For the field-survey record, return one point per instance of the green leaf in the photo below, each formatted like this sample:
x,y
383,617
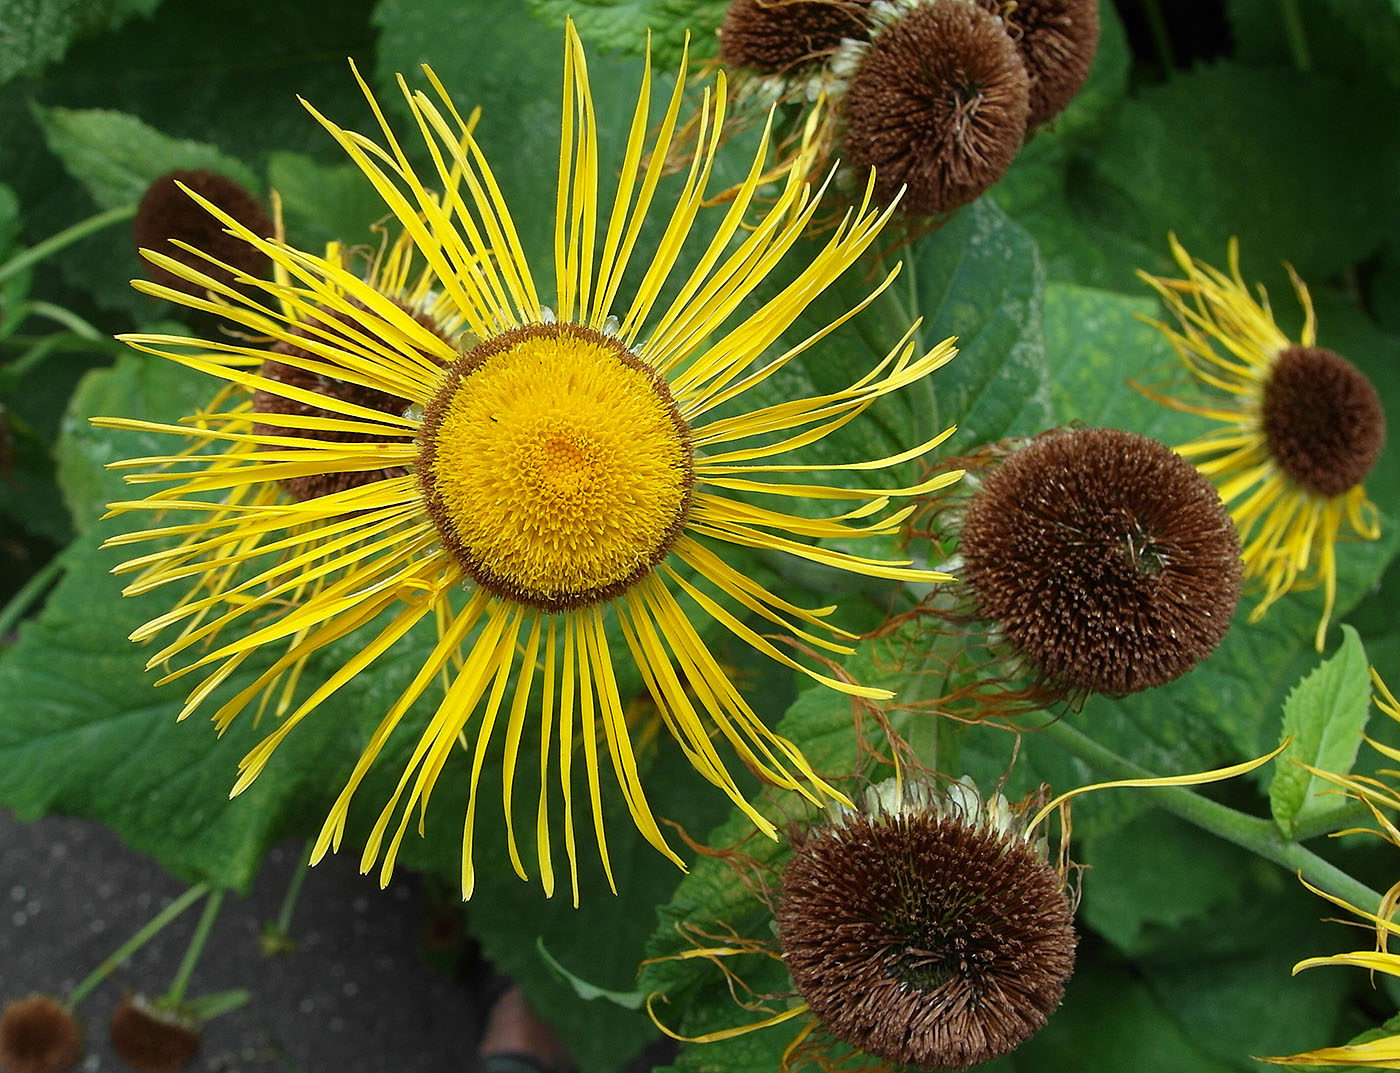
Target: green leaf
x,y
1218,151
116,156
1325,715
626,25
1154,874
1111,1021
9,221
33,33
207,1007
629,1000
136,384
977,279
1097,344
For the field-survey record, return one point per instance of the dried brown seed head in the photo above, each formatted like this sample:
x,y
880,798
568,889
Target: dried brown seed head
x,y
1106,559
267,401
1322,419
926,939
1057,40
38,1034
773,36
938,105
166,212
152,1040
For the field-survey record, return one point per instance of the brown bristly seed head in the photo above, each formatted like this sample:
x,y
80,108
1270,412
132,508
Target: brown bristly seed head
x,y
1104,557
773,36
166,212
931,942
938,105
151,1040
1057,40
1322,419
266,401
38,1034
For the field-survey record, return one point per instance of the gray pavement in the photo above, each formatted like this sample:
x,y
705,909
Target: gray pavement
x,y
354,996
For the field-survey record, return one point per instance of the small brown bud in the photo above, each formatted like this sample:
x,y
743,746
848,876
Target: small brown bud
x,y
38,1034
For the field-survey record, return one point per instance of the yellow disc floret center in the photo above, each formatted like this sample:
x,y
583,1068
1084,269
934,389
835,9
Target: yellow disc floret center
x,y
555,465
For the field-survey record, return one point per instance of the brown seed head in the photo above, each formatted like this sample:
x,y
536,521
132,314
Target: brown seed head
x,y
266,401
38,1034
1323,420
773,36
1057,40
938,105
929,941
166,212
1106,559
151,1040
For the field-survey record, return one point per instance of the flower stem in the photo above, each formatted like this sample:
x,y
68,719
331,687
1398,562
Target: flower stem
x,y
1160,38
289,900
69,235
180,984
1253,833
140,939
20,603
1297,36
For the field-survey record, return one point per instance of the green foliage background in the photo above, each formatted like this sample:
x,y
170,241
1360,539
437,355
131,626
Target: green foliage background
x,y
1186,940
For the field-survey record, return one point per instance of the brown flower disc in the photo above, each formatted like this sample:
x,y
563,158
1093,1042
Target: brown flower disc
x,y
938,106
926,941
1057,40
166,212
773,36
1106,559
266,401
151,1040
38,1034
1322,419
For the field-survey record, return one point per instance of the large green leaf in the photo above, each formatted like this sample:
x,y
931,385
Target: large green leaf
x,y
221,73
34,33
628,25
116,156
1229,150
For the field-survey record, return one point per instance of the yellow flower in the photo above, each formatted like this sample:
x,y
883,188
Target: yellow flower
x,y
440,443
1300,428
1382,1052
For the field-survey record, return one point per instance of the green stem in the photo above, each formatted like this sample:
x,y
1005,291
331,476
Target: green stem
x,y
136,942
1338,818
11,373
69,235
66,317
1297,36
926,386
180,984
1260,836
289,900
1160,38
36,586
